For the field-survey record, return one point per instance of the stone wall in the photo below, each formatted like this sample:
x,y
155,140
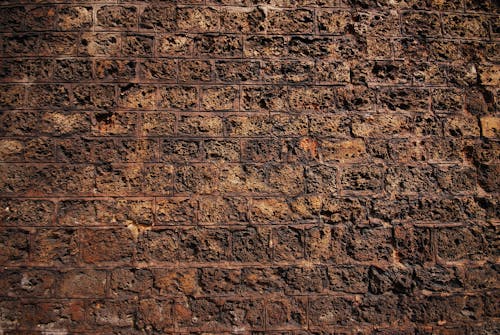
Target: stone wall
x,y
249,167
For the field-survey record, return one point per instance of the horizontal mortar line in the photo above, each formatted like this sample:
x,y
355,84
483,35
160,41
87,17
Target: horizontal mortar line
x,y
414,196
212,84
176,265
227,266
240,225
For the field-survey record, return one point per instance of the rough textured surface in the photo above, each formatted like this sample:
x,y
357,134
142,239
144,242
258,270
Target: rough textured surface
x,y
298,167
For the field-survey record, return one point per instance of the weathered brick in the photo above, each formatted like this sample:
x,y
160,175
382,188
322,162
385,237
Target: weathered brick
x,y
421,24
116,17
288,243
21,44
289,312
222,98
158,245
73,70
289,21
113,123
48,96
137,45
82,284
211,245
254,167
158,123
197,19
115,69
74,18
94,96
107,245
222,210
176,281
220,281
52,44
56,247
362,178
237,71
219,45
158,18
130,281
99,44
413,245
252,244
178,97
468,26
200,125
331,310
15,245
174,45
264,46
137,96
14,212
264,98
27,283
196,179
105,212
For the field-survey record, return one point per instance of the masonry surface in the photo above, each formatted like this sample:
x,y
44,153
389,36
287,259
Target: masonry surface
x,y
275,167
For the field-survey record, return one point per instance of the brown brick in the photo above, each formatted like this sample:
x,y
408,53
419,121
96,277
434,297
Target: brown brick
x,y
222,210
200,125
94,96
159,245
158,71
178,97
421,24
212,245
174,45
15,245
99,44
219,45
252,244
176,281
157,18
56,247
130,281
221,98
289,21
197,19
107,245
83,284
137,45
264,46
74,18
171,210
468,26
137,96
115,69
72,70
116,17
236,71
114,123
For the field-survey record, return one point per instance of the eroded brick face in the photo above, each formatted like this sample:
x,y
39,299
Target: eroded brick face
x,y
298,167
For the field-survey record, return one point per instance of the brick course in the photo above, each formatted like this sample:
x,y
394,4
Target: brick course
x,y
275,167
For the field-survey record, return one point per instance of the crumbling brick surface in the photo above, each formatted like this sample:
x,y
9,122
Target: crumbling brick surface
x,y
297,167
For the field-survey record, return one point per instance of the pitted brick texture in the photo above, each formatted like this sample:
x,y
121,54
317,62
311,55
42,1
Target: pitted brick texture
x,y
291,167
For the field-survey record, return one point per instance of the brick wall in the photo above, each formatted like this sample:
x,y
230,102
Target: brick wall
x,y
249,167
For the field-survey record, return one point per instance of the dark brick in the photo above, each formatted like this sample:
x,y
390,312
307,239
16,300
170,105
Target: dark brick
x,y
15,245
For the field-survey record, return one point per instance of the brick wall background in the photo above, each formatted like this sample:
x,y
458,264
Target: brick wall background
x,y
249,167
